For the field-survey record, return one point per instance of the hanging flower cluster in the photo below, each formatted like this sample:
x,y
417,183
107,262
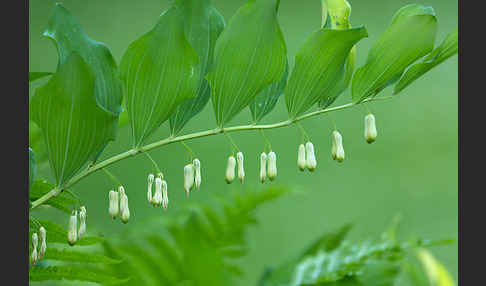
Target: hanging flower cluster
x,y
118,204
37,255
73,233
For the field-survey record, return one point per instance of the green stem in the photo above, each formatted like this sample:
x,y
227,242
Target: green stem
x,y
153,162
170,140
112,177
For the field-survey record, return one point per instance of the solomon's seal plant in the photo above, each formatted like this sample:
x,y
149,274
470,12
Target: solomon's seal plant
x,y
169,74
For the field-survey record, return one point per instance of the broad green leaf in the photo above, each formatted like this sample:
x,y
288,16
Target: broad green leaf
x,y
73,273
203,24
436,272
74,126
69,37
338,14
31,168
319,64
159,70
250,54
62,202
37,75
266,100
447,49
410,36
78,256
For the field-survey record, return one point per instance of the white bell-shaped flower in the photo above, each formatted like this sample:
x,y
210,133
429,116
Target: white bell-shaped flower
x,y
230,170
241,168
188,178
197,178
310,157
263,167
82,222
157,198
301,162
272,166
124,210
337,146
113,209
34,256
165,197
72,233
150,182
43,246
370,132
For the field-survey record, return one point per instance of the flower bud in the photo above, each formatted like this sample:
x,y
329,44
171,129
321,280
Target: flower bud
x,y
230,170
188,178
370,128
43,246
165,197
337,147
241,169
72,234
301,163
197,179
124,210
34,256
310,157
157,198
82,222
263,167
113,206
272,166
149,189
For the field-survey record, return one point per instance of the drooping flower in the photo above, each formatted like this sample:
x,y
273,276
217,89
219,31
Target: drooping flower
x,y
272,166
34,256
72,234
188,178
124,210
241,168
150,181
263,167
43,246
230,170
197,178
301,163
370,132
310,157
113,209
157,198
82,222
165,197
337,146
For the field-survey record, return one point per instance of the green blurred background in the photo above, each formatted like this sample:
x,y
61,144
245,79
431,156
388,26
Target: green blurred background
x,y
411,170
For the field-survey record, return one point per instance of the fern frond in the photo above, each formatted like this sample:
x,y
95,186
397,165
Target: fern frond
x,y
78,256
72,273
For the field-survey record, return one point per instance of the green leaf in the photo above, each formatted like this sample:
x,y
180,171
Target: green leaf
x,y
266,100
410,36
69,37
72,273
250,54
159,70
447,49
31,168
61,202
203,24
319,64
74,126
436,272
338,17
37,75
77,256
328,241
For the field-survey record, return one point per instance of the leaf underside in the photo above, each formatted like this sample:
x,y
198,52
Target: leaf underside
x,y
319,64
159,70
410,36
250,54
203,24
